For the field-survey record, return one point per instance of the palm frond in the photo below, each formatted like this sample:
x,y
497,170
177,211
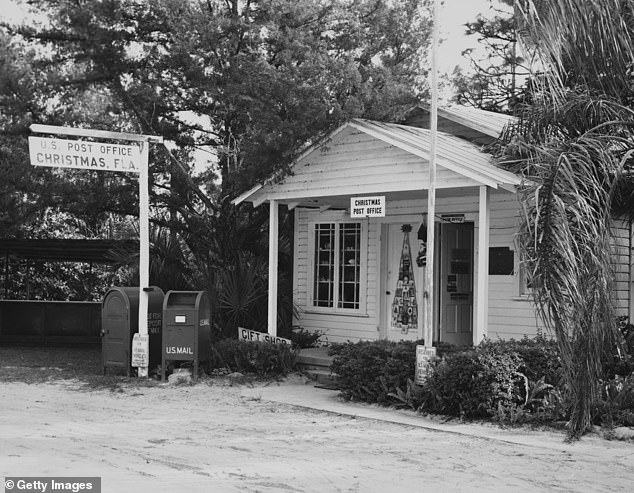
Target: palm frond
x,y
581,42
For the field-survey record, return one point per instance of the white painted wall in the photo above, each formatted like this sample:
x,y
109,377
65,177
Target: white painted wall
x,y
510,314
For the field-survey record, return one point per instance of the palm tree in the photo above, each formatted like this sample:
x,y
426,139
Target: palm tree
x,y
573,146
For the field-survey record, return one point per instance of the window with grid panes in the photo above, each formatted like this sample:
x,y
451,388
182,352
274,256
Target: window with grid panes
x,y
337,265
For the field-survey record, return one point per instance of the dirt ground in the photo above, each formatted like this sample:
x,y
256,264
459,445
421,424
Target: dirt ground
x,y
216,436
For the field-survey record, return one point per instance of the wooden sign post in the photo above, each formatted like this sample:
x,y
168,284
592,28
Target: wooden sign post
x,y
100,156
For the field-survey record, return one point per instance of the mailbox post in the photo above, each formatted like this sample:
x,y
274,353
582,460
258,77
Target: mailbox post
x,y
186,329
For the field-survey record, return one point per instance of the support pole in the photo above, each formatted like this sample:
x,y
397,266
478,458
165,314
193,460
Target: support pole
x,y
431,193
144,241
6,276
482,301
273,256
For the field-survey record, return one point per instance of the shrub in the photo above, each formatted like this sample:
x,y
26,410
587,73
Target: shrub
x,y
301,337
508,380
539,356
621,361
474,383
372,370
261,358
616,407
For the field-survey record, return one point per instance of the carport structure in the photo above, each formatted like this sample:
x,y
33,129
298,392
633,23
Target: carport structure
x,y
43,321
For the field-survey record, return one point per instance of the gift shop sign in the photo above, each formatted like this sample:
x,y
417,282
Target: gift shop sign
x,y
63,153
367,206
247,335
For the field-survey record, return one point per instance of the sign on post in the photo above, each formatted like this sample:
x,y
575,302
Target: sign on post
x,y
63,153
100,156
140,350
424,356
252,335
367,206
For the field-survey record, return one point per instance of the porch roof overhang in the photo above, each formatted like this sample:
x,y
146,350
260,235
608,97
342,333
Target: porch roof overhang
x,y
463,164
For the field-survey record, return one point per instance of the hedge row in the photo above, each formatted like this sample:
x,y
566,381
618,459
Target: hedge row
x,y
496,379
510,381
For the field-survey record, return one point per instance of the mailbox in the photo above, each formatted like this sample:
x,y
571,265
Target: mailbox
x,y
120,321
186,329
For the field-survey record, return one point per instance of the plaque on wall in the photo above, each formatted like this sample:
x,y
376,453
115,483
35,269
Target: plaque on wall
x,y
501,261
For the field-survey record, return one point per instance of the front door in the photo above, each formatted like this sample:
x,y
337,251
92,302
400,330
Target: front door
x,y
402,282
456,284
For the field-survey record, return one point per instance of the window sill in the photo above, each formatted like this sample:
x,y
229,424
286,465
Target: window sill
x,y
523,297
333,311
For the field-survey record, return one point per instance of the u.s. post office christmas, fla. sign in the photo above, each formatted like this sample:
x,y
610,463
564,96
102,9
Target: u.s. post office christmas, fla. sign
x,y
99,156
94,154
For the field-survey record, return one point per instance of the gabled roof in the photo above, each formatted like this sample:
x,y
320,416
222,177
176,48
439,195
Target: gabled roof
x,y
456,156
452,153
487,122
472,124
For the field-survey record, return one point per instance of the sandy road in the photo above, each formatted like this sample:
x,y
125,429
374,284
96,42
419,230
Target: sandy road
x,y
213,438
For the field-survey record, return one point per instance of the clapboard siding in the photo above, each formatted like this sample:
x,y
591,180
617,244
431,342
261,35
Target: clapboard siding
x,y
510,314
621,265
336,327
354,162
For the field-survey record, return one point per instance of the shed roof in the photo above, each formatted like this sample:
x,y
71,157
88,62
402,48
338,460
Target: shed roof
x,y
462,162
62,250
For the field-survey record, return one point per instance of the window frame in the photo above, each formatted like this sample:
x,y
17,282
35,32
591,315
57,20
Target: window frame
x,y
337,267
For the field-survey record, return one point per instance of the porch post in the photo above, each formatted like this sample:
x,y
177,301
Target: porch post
x,y
482,287
273,254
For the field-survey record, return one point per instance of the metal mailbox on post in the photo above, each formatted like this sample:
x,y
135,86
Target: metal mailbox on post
x,y
186,328
120,321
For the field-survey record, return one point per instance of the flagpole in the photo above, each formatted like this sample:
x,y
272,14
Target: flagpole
x,y
431,193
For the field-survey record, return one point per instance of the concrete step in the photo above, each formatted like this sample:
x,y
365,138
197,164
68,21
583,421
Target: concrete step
x,y
324,378
315,357
311,366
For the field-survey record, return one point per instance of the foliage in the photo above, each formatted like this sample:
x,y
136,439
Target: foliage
x,y
371,370
60,281
473,383
245,83
572,145
616,407
374,371
301,337
491,380
260,358
539,357
497,80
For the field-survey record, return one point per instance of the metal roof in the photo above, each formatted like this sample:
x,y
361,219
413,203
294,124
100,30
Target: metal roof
x,y
487,122
453,153
61,250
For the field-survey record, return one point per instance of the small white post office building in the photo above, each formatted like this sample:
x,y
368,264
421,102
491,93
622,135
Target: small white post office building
x,y
363,278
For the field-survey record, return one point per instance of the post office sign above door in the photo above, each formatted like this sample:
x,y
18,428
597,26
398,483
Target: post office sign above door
x,y
367,206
